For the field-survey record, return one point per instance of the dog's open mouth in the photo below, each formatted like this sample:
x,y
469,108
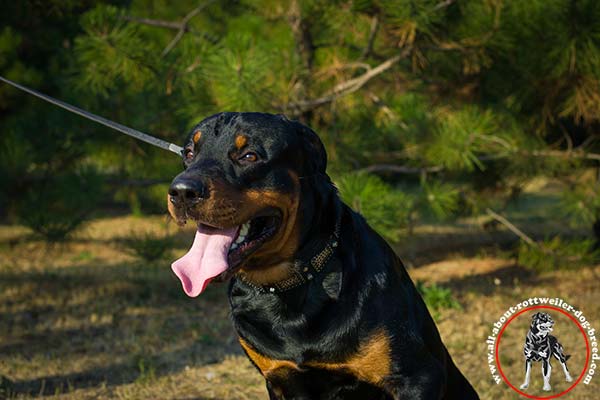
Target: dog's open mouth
x,y
545,327
251,236
218,252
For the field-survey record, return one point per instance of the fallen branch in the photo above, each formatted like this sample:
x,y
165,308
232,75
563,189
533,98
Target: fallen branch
x,y
539,246
513,229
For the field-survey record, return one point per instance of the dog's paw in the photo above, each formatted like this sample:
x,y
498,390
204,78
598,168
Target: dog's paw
x,y
524,386
568,378
547,388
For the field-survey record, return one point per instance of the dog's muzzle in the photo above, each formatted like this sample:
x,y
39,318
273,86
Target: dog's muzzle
x,y
186,192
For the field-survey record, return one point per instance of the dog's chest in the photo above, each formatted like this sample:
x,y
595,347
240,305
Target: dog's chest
x,y
304,345
370,362
358,377
539,344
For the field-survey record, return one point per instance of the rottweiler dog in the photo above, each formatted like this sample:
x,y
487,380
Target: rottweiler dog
x,y
540,345
322,305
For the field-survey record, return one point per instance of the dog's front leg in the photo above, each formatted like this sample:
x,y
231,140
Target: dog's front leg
x,y
525,384
568,377
271,391
562,359
420,385
546,371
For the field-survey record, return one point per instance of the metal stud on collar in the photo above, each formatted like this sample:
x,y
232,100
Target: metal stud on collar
x,y
316,264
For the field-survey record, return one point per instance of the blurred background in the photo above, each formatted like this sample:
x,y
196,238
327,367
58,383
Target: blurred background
x,y
466,132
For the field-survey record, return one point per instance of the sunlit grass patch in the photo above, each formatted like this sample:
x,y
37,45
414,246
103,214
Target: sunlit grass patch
x,y
108,326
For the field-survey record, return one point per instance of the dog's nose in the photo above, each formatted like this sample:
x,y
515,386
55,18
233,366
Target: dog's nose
x,y
187,191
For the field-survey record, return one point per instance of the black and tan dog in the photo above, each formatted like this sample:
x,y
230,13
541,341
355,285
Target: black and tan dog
x,y
322,305
540,345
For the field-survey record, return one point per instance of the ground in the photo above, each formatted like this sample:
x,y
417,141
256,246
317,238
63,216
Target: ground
x,y
86,320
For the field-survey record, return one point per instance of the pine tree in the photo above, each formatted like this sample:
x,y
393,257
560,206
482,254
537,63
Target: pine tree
x,y
444,108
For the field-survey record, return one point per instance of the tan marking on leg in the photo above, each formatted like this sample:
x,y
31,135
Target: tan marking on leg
x,y
371,363
265,364
240,141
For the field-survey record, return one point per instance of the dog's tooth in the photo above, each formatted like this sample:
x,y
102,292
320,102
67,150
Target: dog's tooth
x,y
240,239
244,229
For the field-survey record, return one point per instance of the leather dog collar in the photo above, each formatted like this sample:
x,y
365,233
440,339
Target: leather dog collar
x,y
305,270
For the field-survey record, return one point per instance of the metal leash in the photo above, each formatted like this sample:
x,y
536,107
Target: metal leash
x,y
86,114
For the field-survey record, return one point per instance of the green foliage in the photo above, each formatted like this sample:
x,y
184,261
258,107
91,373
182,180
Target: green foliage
x,y
55,211
557,253
457,137
112,52
146,370
439,199
153,199
6,387
148,246
239,75
12,67
581,204
386,209
486,96
437,298
564,82
13,161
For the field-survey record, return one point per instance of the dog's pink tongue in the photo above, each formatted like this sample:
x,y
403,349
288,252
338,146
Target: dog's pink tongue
x,y
206,259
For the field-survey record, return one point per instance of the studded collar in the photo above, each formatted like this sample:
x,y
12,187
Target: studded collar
x,y
305,270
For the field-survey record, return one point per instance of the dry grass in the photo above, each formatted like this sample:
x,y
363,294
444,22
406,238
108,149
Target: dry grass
x,y
87,321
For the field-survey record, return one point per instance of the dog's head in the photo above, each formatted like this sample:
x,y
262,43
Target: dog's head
x,y
241,185
541,323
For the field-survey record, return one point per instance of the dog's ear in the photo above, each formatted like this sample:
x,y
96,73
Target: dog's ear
x,y
535,316
315,161
314,155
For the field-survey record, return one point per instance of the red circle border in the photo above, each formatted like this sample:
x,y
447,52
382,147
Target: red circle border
x,y
587,357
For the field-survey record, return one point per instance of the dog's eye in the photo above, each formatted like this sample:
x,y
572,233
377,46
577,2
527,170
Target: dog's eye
x,y
249,156
188,154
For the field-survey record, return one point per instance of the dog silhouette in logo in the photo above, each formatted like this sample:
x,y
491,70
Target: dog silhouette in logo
x,y
540,345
